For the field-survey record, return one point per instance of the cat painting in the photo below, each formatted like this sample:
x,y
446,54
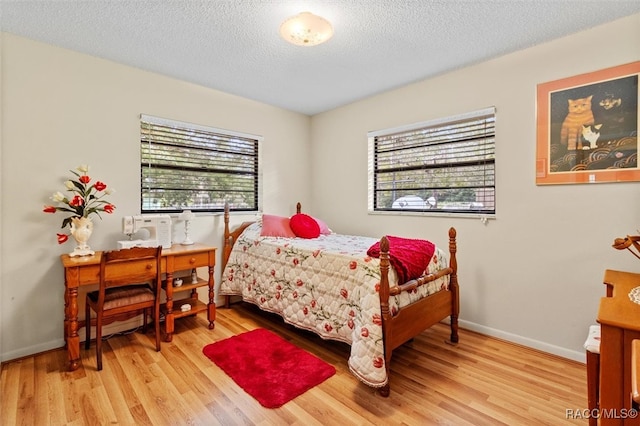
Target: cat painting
x,y
579,115
590,134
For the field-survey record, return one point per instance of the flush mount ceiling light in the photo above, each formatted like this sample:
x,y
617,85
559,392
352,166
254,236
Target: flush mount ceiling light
x,y
306,29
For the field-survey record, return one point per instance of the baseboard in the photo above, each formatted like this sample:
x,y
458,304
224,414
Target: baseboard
x,y
524,341
32,350
108,329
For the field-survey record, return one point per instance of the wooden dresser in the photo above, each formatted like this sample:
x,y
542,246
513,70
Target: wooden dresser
x,y
619,319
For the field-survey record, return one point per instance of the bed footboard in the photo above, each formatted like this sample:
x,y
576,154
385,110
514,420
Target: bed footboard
x,y
413,319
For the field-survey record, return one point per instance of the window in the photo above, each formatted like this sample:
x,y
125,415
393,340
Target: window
x,y
439,166
187,166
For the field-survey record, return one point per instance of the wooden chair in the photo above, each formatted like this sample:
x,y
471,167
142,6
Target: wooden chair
x,y
130,284
592,346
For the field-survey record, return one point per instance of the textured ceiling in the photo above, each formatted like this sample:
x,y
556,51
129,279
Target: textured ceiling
x,y
234,46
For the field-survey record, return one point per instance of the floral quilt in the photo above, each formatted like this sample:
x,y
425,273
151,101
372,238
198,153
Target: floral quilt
x,y
328,285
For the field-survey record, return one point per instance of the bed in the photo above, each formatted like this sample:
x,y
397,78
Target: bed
x,y
344,288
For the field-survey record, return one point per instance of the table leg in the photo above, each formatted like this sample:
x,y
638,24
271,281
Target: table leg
x,y
66,315
168,318
611,373
211,308
71,328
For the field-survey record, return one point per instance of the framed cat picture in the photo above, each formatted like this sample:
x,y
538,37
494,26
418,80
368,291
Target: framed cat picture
x,y
587,127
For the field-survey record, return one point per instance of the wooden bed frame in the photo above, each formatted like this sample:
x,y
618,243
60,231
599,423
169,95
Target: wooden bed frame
x,y
411,320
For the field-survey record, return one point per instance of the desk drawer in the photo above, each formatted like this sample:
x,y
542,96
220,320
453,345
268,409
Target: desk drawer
x,y
191,260
124,270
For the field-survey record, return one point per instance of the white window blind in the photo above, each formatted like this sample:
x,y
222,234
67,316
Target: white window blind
x,y
189,166
440,166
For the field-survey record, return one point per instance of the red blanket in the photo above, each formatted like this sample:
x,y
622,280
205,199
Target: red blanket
x,y
408,257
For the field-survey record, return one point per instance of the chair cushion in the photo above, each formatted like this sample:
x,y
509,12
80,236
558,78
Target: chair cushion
x,y
123,296
592,344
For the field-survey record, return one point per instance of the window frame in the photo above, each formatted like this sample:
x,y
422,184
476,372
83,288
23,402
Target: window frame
x,y
404,130
150,120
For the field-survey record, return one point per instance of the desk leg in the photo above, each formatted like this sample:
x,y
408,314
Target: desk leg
x,y
66,315
71,327
211,308
168,318
611,372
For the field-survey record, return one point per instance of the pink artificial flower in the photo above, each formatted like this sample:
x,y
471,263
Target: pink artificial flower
x,y
49,209
99,186
85,179
62,238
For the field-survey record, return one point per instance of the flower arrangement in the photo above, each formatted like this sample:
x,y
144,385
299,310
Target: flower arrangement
x,y
85,199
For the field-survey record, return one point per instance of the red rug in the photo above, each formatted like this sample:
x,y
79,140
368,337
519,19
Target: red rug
x,y
267,367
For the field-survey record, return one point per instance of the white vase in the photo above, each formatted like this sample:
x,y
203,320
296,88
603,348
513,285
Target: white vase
x,y
81,229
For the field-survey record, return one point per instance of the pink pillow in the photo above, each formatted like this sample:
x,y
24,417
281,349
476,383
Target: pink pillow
x,y
304,226
276,226
324,229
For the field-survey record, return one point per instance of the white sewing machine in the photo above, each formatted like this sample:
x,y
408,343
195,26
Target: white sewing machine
x,y
156,227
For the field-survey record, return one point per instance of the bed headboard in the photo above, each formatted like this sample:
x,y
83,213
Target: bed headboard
x,y
230,237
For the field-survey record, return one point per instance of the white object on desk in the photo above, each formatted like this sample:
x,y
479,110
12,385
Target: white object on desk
x,y
156,229
187,216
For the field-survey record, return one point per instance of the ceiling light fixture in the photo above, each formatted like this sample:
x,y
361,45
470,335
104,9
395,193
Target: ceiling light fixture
x,y
306,29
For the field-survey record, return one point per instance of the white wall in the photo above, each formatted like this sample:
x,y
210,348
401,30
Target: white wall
x,y
62,109
534,274
1,226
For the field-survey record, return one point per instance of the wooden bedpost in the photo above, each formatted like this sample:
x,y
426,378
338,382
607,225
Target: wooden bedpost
x,y
227,245
228,242
453,284
384,310
298,207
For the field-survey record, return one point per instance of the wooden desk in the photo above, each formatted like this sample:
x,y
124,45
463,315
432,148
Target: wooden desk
x,y
81,271
619,318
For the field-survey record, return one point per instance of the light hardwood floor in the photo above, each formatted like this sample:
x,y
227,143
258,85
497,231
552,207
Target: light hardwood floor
x,y
480,381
